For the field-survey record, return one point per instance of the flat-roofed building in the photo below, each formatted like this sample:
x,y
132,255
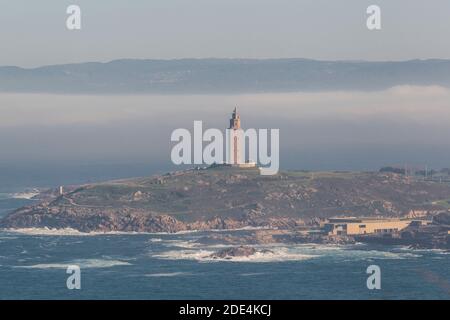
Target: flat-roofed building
x,y
354,226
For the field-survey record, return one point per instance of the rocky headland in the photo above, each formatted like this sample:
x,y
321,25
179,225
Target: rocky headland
x,y
227,198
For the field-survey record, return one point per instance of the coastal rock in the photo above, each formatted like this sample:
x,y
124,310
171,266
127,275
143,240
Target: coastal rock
x,y
241,251
442,218
229,198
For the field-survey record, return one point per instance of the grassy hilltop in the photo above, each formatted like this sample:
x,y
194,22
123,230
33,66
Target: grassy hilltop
x,y
224,197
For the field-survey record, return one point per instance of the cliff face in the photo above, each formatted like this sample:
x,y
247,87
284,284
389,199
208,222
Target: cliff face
x,y
227,198
128,220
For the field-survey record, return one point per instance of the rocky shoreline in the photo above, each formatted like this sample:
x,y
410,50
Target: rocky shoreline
x,y
268,231
291,205
129,220
241,251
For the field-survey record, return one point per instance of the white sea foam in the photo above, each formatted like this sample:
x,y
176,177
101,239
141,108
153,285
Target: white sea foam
x,y
75,232
5,237
188,244
275,256
24,195
282,252
252,274
29,194
170,274
204,255
247,228
436,251
47,231
183,254
82,263
66,232
351,254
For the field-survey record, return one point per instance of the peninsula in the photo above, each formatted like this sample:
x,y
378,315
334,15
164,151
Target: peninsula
x,y
221,197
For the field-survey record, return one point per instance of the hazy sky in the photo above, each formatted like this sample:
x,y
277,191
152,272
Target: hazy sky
x,y
327,130
33,33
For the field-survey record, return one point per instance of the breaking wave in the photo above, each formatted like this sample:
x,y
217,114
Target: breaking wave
x,y
25,195
47,231
187,244
436,251
252,274
82,263
169,274
67,232
203,255
189,250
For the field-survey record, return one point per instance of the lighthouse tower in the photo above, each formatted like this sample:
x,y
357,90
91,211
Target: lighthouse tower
x,y
235,155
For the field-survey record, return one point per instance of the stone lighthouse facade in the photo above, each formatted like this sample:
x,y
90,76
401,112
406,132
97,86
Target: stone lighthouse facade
x,y
235,143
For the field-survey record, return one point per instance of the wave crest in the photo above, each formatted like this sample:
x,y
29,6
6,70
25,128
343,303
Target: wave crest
x,y
82,263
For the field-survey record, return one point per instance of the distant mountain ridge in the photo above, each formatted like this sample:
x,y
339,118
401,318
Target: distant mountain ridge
x,y
185,76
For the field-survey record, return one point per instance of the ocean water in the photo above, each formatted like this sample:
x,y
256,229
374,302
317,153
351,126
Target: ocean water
x,y
160,266
33,264
11,201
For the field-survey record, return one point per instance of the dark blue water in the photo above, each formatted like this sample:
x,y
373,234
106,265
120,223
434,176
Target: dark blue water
x,y
9,204
146,266
33,265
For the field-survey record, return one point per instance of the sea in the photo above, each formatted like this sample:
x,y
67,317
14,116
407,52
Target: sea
x,y
34,265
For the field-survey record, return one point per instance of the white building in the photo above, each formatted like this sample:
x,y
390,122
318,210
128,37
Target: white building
x,y
236,143
234,139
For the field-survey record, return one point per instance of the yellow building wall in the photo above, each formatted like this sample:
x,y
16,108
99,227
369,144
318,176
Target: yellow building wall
x,y
371,227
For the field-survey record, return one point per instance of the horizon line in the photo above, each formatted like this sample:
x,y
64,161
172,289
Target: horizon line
x,y
225,59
